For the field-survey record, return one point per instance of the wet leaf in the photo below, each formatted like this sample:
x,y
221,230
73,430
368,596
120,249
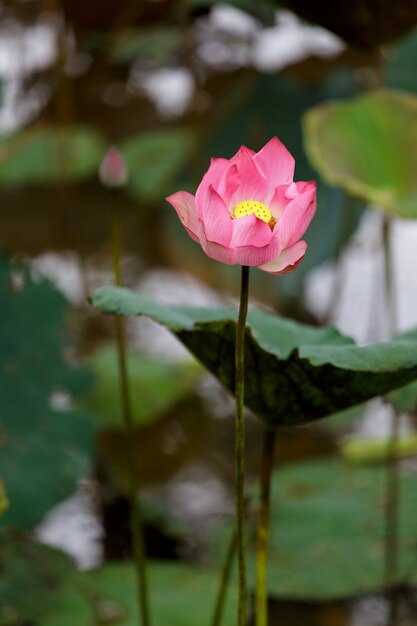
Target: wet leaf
x,y
154,159
45,442
154,386
368,146
50,154
294,373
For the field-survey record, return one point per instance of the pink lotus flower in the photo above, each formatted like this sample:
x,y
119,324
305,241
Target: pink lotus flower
x,y
113,171
248,211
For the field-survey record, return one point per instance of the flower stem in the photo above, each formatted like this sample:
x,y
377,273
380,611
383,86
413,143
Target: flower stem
x,y
135,511
393,474
262,537
240,446
224,582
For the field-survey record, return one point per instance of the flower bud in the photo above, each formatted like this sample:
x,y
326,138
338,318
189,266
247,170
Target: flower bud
x,y
113,172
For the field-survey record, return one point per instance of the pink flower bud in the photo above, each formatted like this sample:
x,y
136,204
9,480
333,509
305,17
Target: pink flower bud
x,y
113,172
248,211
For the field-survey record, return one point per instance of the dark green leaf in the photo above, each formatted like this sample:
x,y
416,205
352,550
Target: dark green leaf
x,y
368,146
294,373
405,399
32,576
45,443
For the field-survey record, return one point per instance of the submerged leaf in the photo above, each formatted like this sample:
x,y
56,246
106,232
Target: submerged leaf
x,y
294,373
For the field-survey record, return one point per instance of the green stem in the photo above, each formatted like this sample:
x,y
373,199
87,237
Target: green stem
x,y
135,511
392,484
262,538
224,582
240,446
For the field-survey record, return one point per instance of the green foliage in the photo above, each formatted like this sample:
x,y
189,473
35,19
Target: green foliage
x,y
327,531
32,575
401,65
367,146
50,154
294,373
154,386
154,159
405,399
180,595
39,586
44,449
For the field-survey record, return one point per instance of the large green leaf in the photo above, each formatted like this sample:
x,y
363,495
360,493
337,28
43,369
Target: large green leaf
x,y
327,531
368,146
154,159
39,586
180,595
154,386
45,443
294,373
50,154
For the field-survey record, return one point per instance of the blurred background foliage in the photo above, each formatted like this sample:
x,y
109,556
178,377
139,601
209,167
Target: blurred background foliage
x,y
172,84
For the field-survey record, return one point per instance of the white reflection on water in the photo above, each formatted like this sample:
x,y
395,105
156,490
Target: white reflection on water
x,y
72,526
23,50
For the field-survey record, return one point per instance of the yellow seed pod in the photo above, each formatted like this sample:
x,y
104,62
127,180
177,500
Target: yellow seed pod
x,y
252,207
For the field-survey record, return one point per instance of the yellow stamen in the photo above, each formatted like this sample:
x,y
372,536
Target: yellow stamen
x,y
252,207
